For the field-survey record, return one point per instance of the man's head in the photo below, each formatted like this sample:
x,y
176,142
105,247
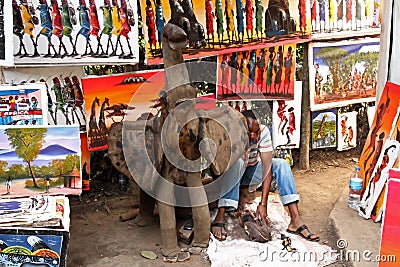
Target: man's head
x,y
253,126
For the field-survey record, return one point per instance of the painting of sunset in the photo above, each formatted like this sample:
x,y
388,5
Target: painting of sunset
x,y
111,99
40,160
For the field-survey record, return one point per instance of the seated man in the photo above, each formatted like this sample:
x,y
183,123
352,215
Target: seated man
x,y
260,172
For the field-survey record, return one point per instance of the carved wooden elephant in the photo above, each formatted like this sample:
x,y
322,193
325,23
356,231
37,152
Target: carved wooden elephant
x,y
163,153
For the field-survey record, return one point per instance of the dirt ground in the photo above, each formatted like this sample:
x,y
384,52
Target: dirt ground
x,y
99,238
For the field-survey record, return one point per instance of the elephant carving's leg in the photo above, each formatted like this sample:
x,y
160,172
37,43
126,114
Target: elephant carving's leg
x,y
168,229
201,214
146,207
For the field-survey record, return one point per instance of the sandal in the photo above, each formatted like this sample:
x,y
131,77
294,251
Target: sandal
x,y
306,237
189,224
223,234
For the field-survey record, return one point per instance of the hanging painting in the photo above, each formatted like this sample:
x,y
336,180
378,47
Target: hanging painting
x,y
41,160
286,120
334,18
343,73
75,32
323,129
347,131
385,127
85,162
226,25
23,104
63,91
6,30
390,245
266,73
111,99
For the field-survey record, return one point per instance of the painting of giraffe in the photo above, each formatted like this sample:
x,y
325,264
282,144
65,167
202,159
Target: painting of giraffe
x,y
323,129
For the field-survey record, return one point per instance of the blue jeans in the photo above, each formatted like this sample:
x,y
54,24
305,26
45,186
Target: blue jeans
x,y
252,177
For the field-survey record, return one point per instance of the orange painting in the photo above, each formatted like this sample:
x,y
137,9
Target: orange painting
x,y
109,99
385,127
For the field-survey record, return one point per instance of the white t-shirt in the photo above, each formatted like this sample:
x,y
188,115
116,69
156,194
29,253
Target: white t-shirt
x,y
264,144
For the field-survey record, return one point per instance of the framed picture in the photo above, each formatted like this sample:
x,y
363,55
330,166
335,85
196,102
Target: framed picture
x,y
75,32
23,105
343,73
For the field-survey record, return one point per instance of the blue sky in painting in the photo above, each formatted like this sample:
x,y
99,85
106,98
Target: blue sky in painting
x,y
66,136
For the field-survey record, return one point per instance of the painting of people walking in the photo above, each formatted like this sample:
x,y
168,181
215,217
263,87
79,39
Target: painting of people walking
x,y
40,160
220,25
343,73
74,31
257,74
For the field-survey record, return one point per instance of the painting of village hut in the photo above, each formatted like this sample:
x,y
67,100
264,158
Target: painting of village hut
x,y
111,99
221,25
40,160
323,129
23,105
62,91
343,73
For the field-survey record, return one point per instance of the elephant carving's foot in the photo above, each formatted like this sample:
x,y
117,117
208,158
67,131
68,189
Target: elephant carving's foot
x,y
175,255
144,220
197,248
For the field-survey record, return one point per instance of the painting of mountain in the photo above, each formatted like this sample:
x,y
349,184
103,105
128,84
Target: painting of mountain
x,y
41,159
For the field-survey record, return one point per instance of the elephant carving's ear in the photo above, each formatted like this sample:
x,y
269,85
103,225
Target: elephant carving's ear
x,y
228,130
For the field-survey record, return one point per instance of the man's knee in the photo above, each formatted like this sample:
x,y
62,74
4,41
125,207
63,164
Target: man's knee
x,y
280,164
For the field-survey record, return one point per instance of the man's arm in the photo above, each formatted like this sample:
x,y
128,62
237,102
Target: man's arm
x,y
266,161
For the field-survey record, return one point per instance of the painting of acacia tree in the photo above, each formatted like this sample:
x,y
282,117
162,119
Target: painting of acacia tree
x,y
343,73
32,156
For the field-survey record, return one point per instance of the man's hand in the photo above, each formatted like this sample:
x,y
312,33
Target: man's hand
x,y
262,214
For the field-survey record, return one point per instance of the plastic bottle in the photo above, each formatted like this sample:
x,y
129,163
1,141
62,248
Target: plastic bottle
x,y
355,188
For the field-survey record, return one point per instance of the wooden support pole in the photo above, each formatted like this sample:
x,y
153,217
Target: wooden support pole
x,y
305,115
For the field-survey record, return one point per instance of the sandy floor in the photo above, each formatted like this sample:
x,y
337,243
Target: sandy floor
x,y
99,238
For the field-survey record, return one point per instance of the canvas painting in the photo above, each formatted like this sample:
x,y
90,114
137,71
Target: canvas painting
x,y
323,129
33,247
390,226
347,131
6,39
333,17
75,32
63,91
343,73
85,162
376,186
233,25
40,160
371,113
111,99
266,73
385,126
23,104
286,121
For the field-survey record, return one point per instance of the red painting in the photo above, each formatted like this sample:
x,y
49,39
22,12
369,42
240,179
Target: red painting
x,y
109,99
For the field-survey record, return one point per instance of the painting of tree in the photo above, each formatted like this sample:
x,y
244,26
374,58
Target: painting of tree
x,y
343,73
27,143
